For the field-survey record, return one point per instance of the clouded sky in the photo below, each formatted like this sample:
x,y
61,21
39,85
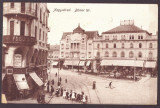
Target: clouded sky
x,y
99,17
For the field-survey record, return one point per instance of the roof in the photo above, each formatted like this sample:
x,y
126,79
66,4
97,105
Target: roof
x,y
78,30
125,29
54,47
90,34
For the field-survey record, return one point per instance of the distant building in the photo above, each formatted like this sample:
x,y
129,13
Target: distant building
x,y
25,32
76,48
53,55
123,46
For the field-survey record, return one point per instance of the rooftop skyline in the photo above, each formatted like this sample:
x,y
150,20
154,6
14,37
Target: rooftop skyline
x,y
98,17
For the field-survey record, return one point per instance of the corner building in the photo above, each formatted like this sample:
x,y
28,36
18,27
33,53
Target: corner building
x,y
25,29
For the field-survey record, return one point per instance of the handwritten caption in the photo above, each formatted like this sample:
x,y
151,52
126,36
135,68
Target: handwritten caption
x,y
71,10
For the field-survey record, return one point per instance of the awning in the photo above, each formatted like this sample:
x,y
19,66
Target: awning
x,y
71,62
55,63
88,63
3,75
135,63
151,64
36,78
3,99
82,63
21,82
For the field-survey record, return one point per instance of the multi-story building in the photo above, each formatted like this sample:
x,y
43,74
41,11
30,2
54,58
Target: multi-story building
x,y
53,55
125,46
76,48
25,29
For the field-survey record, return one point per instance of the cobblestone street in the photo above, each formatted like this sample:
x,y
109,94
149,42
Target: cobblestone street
x,y
123,91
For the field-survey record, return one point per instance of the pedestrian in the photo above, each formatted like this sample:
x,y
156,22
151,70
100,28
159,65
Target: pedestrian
x,y
66,80
61,91
52,81
56,74
83,99
110,85
60,79
48,86
73,95
52,90
64,93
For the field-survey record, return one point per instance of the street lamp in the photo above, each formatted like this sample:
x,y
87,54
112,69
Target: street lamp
x,y
58,68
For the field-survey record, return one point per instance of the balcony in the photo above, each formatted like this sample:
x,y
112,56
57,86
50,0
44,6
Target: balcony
x,y
28,13
75,50
19,40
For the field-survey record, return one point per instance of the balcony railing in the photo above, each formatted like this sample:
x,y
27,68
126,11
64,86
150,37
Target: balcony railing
x,y
31,13
21,40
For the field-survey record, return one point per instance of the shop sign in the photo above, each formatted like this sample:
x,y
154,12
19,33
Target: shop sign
x,y
17,60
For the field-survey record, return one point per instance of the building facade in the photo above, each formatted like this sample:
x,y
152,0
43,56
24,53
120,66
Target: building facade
x,y
125,46
25,30
53,55
76,48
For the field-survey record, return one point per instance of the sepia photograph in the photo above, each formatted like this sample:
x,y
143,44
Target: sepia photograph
x,y
79,53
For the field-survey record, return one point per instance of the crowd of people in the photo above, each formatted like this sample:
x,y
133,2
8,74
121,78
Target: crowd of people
x,y
66,93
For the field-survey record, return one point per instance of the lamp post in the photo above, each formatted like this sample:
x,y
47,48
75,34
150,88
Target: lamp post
x,y
58,68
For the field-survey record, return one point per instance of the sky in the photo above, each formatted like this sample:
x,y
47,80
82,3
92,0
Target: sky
x,y
98,17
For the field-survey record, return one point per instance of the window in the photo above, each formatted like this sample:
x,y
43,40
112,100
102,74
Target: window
x,y
67,40
44,18
123,37
40,15
140,55
106,37
22,28
132,36
82,40
122,54
106,45
89,54
131,54
12,4
67,46
122,45
40,34
98,46
77,45
114,54
36,32
139,37
62,54
62,46
140,45
114,45
98,54
150,55
131,45
43,35
22,7
106,54
11,28
115,37
150,45
90,46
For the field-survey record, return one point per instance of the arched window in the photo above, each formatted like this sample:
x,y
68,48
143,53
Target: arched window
x,y
98,54
114,54
131,54
98,46
131,45
140,45
140,55
150,55
122,54
106,54
106,45
150,45
114,46
122,45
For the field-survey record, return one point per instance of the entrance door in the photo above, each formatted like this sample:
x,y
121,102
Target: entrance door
x,y
22,28
11,28
23,7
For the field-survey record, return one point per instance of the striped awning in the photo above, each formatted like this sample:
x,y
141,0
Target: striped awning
x,y
21,81
81,63
71,62
88,63
37,80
